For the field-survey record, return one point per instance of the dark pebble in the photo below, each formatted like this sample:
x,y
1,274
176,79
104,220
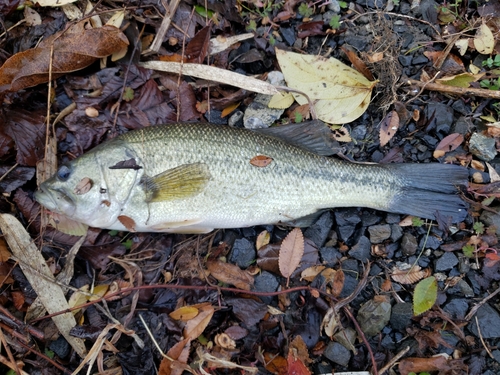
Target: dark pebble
x,y
60,347
457,308
429,242
388,343
392,218
405,60
345,232
407,39
318,232
396,232
337,353
379,233
213,116
357,42
350,283
489,322
420,59
347,216
446,262
461,126
361,251
330,255
460,107
373,316
243,253
408,244
359,132
442,116
266,282
370,218
430,140
401,315
289,35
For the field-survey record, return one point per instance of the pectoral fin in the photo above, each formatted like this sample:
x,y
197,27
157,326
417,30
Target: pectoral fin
x,y
184,181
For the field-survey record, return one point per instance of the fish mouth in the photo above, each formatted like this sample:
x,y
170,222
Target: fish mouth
x,y
55,200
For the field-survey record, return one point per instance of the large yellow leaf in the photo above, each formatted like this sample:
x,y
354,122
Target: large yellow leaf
x,y
340,93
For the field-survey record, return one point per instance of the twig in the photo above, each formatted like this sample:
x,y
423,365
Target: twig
x,y
423,87
10,170
165,24
476,307
394,360
483,93
482,340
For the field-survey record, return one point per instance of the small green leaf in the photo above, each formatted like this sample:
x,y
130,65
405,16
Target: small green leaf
x,y
468,251
417,222
335,21
202,11
425,295
298,117
343,4
478,227
128,95
252,25
127,244
305,11
49,353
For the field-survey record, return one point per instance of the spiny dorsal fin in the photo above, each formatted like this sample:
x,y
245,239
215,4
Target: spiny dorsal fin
x,y
180,182
314,136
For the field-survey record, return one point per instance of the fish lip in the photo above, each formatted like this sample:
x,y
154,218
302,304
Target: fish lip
x,y
50,199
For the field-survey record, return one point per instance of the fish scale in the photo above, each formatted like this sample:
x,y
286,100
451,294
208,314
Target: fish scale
x,y
296,184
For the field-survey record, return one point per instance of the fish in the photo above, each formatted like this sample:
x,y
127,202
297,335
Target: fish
x,y
196,177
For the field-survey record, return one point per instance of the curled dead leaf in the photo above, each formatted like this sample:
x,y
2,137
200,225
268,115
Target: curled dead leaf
x,y
261,161
404,275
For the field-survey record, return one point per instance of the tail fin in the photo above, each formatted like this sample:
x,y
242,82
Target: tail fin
x,y
429,190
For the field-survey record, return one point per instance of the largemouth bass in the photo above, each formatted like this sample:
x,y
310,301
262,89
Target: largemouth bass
x,y
192,178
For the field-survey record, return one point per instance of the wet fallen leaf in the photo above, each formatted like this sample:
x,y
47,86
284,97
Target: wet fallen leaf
x,y
261,161
229,109
262,239
53,3
340,93
180,354
83,186
358,64
311,272
418,365
197,325
230,274
484,41
460,80
184,313
296,366
73,49
425,295
127,222
338,283
196,49
388,127
276,364
447,144
300,350
15,178
291,251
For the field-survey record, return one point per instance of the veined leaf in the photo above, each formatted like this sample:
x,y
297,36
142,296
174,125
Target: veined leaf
x,y
340,93
425,295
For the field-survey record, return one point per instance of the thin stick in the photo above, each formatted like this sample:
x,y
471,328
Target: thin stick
x,y
483,93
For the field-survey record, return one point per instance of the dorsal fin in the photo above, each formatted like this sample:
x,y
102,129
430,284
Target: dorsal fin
x,y
314,136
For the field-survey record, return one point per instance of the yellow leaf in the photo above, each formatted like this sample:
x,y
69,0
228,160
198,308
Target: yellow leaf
x,y
230,108
484,41
281,100
462,45
340,93
460,80
99,291
184,313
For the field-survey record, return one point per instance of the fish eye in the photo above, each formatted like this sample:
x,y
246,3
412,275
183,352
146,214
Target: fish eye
x,y
63,173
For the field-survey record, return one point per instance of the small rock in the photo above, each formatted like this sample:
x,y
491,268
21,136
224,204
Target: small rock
x,y
334,6
496,355
379,233
489,322
482,147
337,353
359,132
491,218
288,35
330,255
396,232
236,119
361,251
370,218
348,216
243,253
266,282
446,262
374,315
420,59
430,242
345,232
457,308
215,117
405,60
318,232
401,315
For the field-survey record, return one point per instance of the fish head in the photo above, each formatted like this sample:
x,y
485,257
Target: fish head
x,y
94,188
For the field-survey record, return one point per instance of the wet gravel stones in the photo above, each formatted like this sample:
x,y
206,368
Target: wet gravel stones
x,y
489,322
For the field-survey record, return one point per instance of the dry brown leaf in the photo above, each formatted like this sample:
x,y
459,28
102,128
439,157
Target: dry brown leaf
x,y
447,144
230,274
408,276
5,254
180,354
338,283
291,251
74,49
229,109
127,222
388,127
197,325
358,64
261,161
